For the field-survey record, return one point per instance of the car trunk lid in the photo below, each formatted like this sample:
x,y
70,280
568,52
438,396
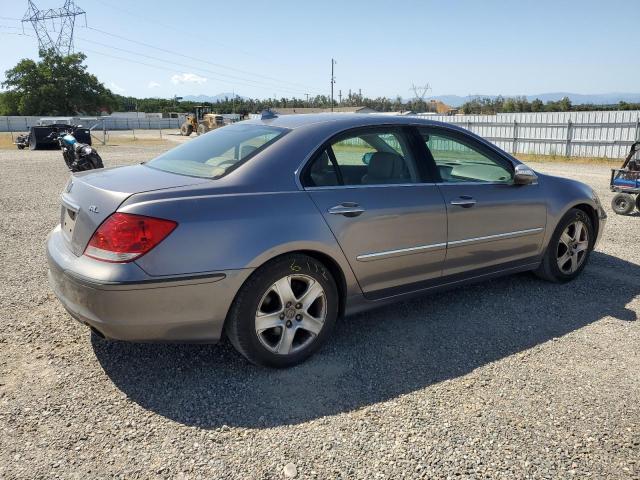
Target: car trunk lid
x,y
89,198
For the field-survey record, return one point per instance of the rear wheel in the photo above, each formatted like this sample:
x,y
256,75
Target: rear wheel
x,y
284,312
569,248
33,143
622,203
96,161
202,129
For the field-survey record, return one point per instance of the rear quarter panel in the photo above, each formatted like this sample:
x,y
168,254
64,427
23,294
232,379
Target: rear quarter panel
x,y
236,231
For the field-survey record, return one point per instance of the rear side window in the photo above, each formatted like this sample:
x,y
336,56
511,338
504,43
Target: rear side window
x,y
218,152
371,157
459,161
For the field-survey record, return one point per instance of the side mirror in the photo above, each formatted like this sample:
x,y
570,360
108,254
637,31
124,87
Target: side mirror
x,y
523,175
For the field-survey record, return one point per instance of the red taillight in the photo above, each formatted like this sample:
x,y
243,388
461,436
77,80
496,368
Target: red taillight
x,y
123,237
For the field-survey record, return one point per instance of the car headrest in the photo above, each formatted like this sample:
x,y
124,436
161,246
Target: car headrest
x,y
321,163
247,150
385,165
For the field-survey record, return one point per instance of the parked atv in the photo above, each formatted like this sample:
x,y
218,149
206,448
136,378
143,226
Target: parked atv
x,y
625,181
78,156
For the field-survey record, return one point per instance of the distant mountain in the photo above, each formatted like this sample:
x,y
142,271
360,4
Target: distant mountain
x,y
576,98
220,97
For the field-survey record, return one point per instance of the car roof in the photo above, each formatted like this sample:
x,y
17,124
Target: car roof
x,y
343,120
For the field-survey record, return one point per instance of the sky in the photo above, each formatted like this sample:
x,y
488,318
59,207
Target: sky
x,y
284,48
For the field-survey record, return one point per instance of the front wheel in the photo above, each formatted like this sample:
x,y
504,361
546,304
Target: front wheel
x,y
186,129
622,203
284,312
569,248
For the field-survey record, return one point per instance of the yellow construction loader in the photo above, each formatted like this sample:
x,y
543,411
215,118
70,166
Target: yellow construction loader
x,y
201,121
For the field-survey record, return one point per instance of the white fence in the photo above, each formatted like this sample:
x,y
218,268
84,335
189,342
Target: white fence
x,y
22,124
573,134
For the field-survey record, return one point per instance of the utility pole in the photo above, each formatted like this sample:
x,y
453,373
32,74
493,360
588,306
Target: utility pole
x,y
307,99
339,97
333,80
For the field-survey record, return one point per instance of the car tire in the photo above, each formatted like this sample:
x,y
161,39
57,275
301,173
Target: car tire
x,y
638,202
623,203
295,328
558,264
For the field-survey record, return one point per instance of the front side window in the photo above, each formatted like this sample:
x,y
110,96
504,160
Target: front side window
x,y
217,152
370,157
459,161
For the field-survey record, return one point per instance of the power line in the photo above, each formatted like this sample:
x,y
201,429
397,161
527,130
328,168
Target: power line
x,y
171,52
160,67
255,83
209,41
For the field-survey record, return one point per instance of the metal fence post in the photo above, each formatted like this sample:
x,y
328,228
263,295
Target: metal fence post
x,y
9,128
515,137
567,151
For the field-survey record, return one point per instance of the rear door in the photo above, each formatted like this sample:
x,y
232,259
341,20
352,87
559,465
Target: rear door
x,y
491,221
389,220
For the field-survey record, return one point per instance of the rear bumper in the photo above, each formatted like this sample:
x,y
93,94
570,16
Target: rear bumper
x,y
168,309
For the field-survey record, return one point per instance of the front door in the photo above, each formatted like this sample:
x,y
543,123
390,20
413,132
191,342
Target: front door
x,y
389,222
492,223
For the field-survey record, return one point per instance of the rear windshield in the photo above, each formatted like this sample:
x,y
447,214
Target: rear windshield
x,y
217,152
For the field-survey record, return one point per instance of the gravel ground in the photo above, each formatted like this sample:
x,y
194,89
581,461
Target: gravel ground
x,y
513,378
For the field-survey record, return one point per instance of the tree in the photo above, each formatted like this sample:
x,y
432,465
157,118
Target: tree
x,y
537,105
55,85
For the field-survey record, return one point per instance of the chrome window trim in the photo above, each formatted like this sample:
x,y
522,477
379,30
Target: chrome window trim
x,y
368,257
380,185
413,122
517,233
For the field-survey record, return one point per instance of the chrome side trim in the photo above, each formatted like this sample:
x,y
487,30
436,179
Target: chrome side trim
x,y
367,257
377,185
518,233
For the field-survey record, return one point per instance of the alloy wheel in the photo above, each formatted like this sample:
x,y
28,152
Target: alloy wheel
x,y
573,247
291,314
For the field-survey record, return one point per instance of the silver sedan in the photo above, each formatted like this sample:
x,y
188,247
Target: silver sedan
x,y
270,230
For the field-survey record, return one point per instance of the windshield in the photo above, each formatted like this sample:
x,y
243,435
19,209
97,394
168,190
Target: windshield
x,y
217,152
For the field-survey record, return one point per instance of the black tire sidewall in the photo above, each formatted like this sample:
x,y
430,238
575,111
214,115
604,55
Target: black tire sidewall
x,y
638,202
241,322
630,203
571,216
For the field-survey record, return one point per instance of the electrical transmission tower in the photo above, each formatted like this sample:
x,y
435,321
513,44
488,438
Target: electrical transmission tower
x,y
60,20
420,92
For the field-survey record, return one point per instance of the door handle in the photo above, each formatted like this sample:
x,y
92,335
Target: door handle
x,y
348,209
464,201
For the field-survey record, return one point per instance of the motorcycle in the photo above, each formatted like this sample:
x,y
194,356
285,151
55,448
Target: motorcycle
x,y
78,156
22,141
